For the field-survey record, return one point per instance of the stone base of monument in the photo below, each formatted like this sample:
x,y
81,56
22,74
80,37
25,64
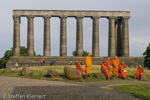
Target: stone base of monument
x,y
27,61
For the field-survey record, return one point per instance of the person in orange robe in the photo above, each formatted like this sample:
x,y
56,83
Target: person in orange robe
x,y
105,70
122,73
115,64
88,63
108,64
79,68
139,73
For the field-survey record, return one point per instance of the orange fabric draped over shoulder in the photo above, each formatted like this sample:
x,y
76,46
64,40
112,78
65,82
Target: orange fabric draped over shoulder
x,y
115,63
139,70
108,64
105,71
121,73
79,68
88,62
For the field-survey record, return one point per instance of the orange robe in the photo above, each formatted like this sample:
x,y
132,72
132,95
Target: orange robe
x,y
115,62
79,68
105,71
108,64
88,62
139,70
121,73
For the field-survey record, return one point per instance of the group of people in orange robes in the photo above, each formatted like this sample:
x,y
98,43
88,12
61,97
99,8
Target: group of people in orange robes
x,y
119,70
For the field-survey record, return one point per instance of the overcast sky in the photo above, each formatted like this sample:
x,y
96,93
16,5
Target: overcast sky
x,y
139,24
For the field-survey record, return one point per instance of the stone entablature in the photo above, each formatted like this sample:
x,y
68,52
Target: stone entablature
x,y
70,13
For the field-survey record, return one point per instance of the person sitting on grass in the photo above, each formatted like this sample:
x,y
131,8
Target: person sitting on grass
x,y
108,63
122,72
79,68
105,70
139,73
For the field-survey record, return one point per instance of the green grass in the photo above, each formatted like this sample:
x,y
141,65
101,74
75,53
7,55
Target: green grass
x,y
140,91
60,69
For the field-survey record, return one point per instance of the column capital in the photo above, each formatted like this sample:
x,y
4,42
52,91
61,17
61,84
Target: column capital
x,y
63,16
125,17
112,17
46,16
16,16
30,16
96,17
79,17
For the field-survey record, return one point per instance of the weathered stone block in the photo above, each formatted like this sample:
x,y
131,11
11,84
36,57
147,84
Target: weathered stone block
x,y
144,78
100,76
25,71
52,73
72,74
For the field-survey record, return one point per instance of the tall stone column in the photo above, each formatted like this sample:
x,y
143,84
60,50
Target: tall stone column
x,y
16,36
46,36
63,37
119,37
116,26
95,39
125,38
111,40
30,36
79,36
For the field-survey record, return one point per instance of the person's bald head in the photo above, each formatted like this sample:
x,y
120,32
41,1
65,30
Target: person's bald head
x,y
79,60
104,62
139,66
88,54
108,58
115,57
122,62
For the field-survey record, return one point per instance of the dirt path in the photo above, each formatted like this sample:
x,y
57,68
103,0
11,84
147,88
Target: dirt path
x,y
13,88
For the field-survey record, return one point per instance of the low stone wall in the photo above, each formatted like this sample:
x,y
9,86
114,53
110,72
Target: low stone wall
x,y
26,61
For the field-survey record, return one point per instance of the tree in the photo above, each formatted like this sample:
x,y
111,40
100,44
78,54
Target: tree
x,y
8,54
38,55
147,57
85,53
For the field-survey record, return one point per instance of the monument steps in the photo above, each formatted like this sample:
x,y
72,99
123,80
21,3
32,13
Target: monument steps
x,y
27,61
